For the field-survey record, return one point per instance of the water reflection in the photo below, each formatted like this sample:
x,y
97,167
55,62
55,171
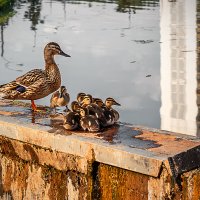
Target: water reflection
x,y
179,66
115,52
6,12
112,52
33,12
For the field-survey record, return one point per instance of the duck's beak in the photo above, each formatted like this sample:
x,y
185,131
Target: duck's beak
x,y
117,104
64,54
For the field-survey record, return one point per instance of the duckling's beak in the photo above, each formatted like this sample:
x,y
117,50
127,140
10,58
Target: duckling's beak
x,y
64,54
117,104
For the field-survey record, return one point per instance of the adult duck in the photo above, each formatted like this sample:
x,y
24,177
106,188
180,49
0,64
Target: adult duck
x,y
37,83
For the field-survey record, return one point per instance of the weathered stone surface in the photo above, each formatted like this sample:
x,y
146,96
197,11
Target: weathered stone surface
x,y
36,154
164,187
116,183
21,179
41,160
122,154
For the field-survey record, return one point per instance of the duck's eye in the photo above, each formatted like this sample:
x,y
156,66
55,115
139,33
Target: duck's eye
x,y
55,48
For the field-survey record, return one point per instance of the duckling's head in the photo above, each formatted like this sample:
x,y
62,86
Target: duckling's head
x,y
53,48
83,112
98,101
91,98
80,96
75,106
63,91
86,100
110,102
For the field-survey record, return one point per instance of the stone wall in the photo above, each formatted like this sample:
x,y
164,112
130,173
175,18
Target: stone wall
x,y
31,172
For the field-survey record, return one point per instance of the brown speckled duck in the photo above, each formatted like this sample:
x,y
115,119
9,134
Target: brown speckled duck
x,y
72,118
80,97
60,98
94,109
109,115
88,122
109,102
36,83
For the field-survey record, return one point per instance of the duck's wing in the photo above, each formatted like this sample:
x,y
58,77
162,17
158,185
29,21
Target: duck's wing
x,y
25,80
25,86
31,77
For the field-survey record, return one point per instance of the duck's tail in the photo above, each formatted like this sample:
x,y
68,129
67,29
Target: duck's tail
x,y
2,85
6,89
1,93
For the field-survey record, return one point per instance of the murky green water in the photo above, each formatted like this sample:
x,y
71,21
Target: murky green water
x,y
142,53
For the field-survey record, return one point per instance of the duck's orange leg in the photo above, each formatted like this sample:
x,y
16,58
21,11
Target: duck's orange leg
x,y
33,106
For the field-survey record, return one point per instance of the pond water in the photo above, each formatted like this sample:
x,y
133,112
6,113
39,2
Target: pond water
x,y
141,53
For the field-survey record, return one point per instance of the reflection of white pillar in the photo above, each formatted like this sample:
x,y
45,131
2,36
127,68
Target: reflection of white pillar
x,y
165,64
178,66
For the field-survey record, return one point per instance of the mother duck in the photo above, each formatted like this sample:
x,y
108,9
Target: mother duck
x,y
36,83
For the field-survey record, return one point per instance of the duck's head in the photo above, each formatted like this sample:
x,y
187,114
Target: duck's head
x,y
98,101
54,49
109,102
86,100
75,106
91,98
80,96
63,91
83,112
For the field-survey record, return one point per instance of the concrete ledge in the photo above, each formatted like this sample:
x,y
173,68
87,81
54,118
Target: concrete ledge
x,y
136,149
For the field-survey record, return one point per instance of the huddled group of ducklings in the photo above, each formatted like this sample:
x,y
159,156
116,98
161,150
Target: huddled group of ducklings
x,y
86,113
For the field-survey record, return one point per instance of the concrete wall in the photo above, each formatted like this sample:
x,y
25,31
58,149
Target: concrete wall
x,y
31,172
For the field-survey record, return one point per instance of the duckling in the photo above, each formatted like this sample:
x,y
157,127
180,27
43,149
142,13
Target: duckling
x,y
86,100
72,117
37,83
99,102
75,106
80,96
88,122
94,109
109,102
61,98
109,115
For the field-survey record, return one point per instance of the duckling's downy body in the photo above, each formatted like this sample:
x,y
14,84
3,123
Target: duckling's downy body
x,y
109,102
72,117
80,97
94,109
36,83
88,122
109,115
60,98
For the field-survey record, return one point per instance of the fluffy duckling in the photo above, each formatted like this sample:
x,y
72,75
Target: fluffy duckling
x,y
88,122
94,109
80,96
60,98
109,102
72,117
109,115
99,102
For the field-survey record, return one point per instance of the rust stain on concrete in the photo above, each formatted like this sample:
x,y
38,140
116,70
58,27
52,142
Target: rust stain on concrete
x,y
32,153
167,144
57,183
30,172
116,183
